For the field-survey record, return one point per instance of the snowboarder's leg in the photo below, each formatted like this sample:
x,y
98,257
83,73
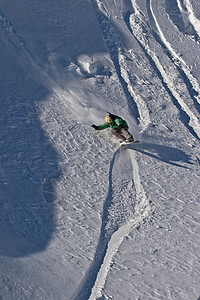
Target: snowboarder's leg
x,y
128,136
118,134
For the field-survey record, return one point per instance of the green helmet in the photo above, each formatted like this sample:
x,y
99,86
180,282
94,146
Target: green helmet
x,y
108,120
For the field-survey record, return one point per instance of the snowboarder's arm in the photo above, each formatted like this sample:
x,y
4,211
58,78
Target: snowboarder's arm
x,y
100,127
95,126
103,126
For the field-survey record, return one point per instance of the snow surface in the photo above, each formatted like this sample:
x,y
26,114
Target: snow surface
x,y
81,218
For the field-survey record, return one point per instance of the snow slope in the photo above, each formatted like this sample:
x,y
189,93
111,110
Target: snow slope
x,y
80,217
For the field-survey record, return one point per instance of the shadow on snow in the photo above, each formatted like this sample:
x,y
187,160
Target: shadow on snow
x,y
170,155
29,163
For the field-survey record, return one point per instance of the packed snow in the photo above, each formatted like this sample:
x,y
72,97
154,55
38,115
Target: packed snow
x,y
82,218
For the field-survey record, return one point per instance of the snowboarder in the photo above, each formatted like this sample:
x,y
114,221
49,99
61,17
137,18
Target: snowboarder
x,y
119,128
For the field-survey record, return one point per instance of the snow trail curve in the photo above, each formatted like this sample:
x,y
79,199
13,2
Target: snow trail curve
x,y
125,206
142,209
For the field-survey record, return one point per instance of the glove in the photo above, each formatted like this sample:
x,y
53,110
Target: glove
x,y
95,127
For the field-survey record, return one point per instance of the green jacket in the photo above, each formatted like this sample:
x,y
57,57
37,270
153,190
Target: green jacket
x,y
117,123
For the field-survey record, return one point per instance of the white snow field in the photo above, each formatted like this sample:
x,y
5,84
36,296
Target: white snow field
x,y
80,217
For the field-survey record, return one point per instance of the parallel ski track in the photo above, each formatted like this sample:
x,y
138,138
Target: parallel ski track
x,y
189,80
138,30
181,13
191,16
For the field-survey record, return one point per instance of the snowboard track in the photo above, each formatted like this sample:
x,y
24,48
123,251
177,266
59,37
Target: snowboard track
x,y
110,239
